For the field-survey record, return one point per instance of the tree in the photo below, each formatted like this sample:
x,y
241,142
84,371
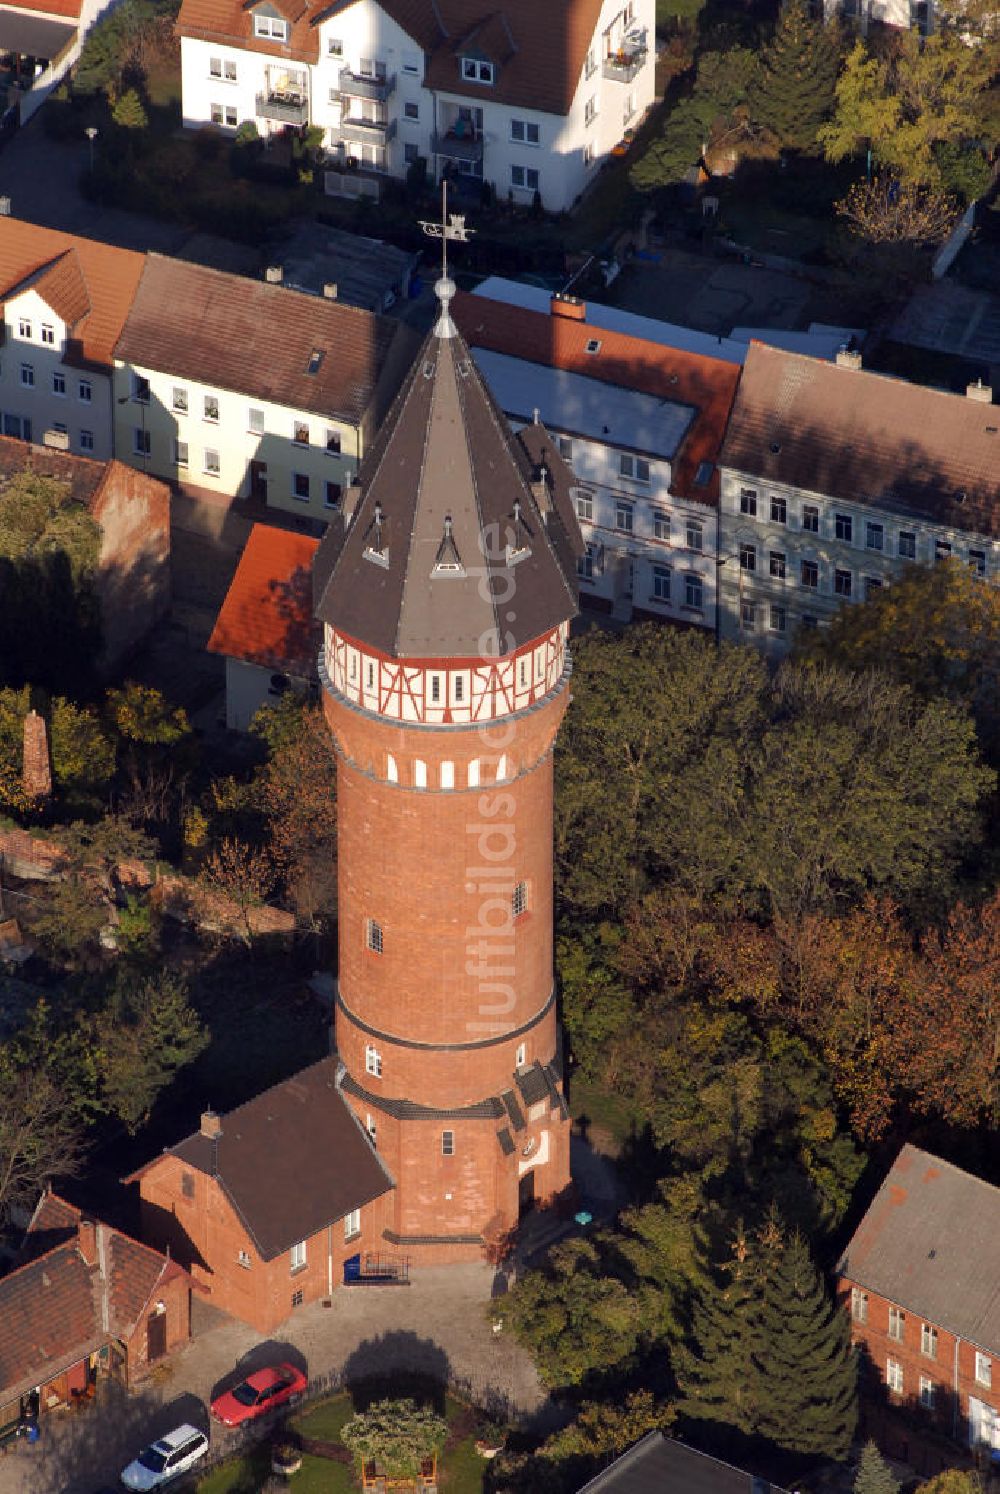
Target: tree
x,y
576,1319
887,211
874,1476
129,113
936,630
661,1245
713,113
715,1368
83,759
243,873
953,1481
296,792
866,112
794,89
396,1435
806,1366
140,714
145,1034
40,1132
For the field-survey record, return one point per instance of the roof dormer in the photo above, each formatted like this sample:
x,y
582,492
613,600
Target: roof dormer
x,y
268,23
477,69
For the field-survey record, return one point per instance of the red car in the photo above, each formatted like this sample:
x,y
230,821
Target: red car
x,y
259,1392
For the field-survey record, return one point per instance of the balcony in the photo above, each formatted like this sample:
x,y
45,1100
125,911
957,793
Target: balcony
x,y
466,146
367,131
360,86
286,108
624,65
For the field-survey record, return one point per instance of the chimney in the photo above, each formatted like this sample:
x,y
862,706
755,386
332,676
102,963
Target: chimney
x,y
4,207
211,1125
570,307
330,290
979,391
274,274
848,357
57,440
352,494
86,1234
36,769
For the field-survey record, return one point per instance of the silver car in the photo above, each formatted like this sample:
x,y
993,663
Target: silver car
x,y
166,1459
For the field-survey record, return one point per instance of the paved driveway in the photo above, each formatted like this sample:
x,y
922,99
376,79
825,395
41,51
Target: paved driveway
x,y
439,1324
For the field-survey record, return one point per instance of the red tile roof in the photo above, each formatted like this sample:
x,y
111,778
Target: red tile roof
x,y
81,279
70,9
52,1307
266,618
707,384
539,50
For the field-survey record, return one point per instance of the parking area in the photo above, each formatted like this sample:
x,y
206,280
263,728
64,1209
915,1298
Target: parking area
x,y
439,1325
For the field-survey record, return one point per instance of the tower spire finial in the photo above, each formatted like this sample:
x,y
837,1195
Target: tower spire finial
x,y
451,227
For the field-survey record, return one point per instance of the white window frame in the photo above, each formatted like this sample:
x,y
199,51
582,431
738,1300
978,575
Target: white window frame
x,y
24,328
521,1056
447,1143
859,1305
928,1393
897,1324
270,28
27,375
633,468
928,1340
624,516
85,392
690,582
524,132
86,440
59,383
352,1224
141,441
297,1256
894,1376
373,1061
984,1370
525,178
212,462
301,480
476,71
179,401
662,580
179,447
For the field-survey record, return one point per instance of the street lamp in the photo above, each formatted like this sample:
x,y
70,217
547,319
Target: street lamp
x,y
91,133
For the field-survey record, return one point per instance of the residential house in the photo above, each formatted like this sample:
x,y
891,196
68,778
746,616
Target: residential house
x,y
835,479
903,15
132,512
249,389
640,424
267,1203
65,300
85,1302
265,628
530,98
920,1279
660,1465
40,41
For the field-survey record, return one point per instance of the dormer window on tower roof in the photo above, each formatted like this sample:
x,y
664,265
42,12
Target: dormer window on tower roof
x,y
377,539
517,546
475,70
448,562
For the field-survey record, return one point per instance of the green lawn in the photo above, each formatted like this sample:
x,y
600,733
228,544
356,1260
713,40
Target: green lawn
x,y
247,1475
603,1108
325,1420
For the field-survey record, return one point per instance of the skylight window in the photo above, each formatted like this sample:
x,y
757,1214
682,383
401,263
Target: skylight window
x,y
703,474
594,345
315,359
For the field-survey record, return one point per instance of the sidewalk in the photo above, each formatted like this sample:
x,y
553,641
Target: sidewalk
x,y
438,1325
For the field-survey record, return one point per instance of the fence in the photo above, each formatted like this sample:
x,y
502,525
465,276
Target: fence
x,y
350,184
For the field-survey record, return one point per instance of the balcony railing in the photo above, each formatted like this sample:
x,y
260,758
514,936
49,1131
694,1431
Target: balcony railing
x,y
361,86
622,67
287,108
368,131
465,147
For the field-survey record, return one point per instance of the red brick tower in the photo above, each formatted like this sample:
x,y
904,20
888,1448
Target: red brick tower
x,y
445,597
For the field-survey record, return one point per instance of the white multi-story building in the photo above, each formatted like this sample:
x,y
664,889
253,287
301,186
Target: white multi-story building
x,y
641,426
65,300
249,389
530,98
834,479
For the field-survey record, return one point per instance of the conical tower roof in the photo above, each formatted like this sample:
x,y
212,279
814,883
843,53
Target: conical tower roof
x,y
446,552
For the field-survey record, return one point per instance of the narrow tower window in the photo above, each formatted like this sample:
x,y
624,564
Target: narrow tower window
x,y
502,768
372,1131
447,1143
373,1062
419,773
521,1056
447,775
519,900
391,771
474,773
373,935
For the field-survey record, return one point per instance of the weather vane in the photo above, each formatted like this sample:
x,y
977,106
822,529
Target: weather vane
x,y
452,226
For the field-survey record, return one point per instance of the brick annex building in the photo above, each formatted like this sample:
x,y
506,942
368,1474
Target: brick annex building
x,y
445,592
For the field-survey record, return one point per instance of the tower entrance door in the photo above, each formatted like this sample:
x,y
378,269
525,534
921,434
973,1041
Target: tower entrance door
x,y
526,1194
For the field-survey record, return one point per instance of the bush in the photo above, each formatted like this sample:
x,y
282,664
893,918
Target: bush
x,y
247,134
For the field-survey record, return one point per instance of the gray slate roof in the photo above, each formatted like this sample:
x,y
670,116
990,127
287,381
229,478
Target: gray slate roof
x,y
283,1188
443,453
930,1243
659,1465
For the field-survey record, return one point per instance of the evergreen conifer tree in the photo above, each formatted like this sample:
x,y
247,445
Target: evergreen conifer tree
x,y
129,112
798,74
716,1371
806,1372
874,1477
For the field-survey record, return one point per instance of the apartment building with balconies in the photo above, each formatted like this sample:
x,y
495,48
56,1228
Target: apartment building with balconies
x,y
640,425
835,479
530,98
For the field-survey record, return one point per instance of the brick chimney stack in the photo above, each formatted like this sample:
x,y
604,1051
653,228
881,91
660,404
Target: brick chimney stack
x,y
87,1240
211,1125
36,771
